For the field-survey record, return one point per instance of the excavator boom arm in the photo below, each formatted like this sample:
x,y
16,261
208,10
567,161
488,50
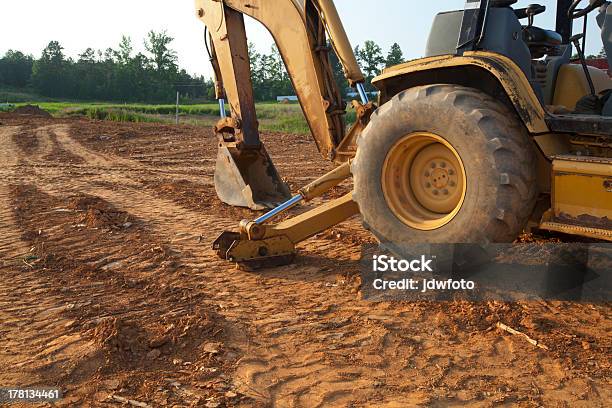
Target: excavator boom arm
x,y
304,32
300,29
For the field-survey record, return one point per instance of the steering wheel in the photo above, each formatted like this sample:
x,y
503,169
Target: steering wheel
x,y
574,13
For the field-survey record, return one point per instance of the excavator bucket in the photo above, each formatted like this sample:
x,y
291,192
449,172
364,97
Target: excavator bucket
x,y
246,177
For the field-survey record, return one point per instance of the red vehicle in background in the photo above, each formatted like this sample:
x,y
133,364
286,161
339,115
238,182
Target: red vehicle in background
x,y
601,63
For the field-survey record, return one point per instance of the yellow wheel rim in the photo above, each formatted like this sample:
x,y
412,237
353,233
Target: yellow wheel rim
x,y
424,181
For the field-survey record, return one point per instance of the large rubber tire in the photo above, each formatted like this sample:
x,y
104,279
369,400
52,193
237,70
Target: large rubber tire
x,y
497,153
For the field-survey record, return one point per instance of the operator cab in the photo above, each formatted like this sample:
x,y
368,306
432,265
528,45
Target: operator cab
x,y
543,55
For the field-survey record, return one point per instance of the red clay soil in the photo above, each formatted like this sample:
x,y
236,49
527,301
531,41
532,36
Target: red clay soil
x,y
110,291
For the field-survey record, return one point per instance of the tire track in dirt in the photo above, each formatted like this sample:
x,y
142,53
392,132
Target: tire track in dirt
x,y
22,321
25,322
172,221
109,310
49,150
305,339
185,226
182,228
10,241
283,362
27,326
14,284
280,377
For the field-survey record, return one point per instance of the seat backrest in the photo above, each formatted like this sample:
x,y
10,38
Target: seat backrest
x,y
444,33
546,72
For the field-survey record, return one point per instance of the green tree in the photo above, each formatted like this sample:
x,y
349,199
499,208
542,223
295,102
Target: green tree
x,y
268,74
164,58
109,55
371,60
281,82
16,69
53,53
602,54
341,81
49,74
88,73
257,73
395,56
87,57
124,54
112,75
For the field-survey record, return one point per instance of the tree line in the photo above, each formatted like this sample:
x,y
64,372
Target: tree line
x,y
270,79
116,74
120,74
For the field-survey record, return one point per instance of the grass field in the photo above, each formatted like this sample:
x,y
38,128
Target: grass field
x,y
272,116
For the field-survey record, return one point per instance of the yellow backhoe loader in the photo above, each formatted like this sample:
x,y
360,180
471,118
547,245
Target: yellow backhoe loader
x,y
495,130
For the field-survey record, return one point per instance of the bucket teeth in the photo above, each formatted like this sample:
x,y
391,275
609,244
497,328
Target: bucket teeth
x,y
246,177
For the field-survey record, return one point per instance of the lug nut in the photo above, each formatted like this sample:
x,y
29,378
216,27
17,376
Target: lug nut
x,y
443,165
436,192
445,192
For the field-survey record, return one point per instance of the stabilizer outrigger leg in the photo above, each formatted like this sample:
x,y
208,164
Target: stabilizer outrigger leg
x,y
259,245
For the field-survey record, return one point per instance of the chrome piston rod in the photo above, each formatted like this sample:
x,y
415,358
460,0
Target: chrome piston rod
x,y
295,200
362,93
314,189
222,108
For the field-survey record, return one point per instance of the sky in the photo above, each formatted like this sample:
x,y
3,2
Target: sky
x,y
28,25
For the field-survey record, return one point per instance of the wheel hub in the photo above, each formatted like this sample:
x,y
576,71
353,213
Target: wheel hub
x,y
424,181
439,176
435,178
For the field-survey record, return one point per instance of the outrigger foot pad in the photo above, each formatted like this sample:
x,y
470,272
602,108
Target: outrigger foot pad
x,y
270,262
253,255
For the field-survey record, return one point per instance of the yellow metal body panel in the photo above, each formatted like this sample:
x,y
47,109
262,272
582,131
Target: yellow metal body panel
x,y
572,84
323,184
582,187
247,250
509,75
305,225
589,232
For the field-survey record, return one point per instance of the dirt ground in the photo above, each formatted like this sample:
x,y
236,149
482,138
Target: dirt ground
x,y
110,291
